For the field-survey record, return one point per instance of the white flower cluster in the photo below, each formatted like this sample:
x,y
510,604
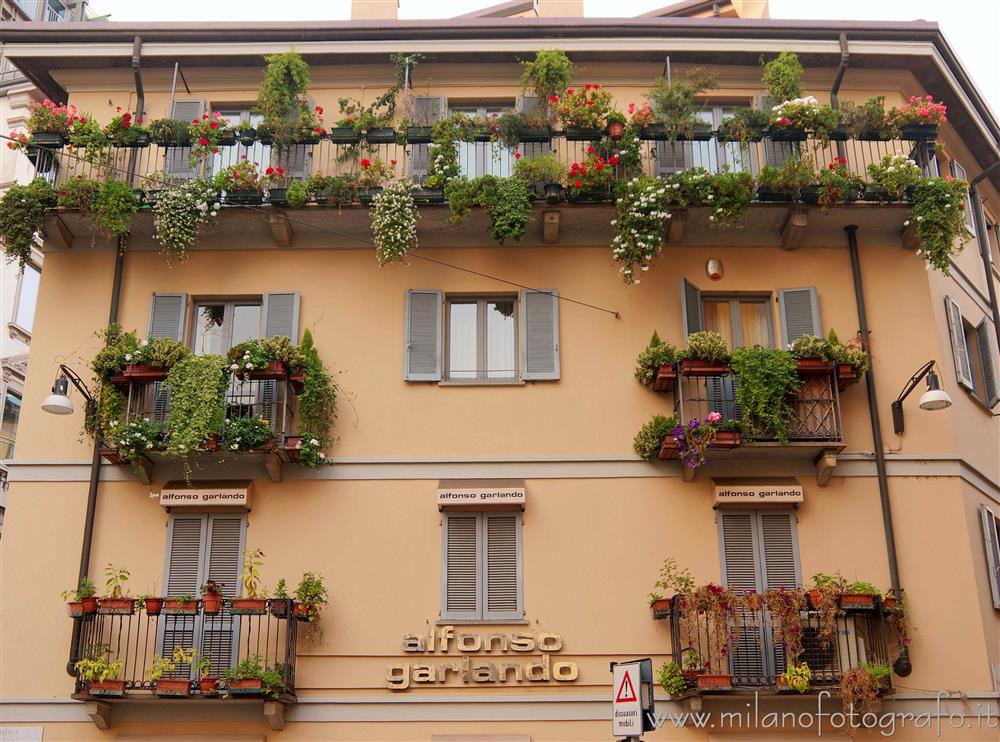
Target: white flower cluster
x,y
893,163
808,101
639,226
138,356
246,363
394,223
179,214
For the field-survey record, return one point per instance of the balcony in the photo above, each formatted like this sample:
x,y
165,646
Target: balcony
x,y
225,639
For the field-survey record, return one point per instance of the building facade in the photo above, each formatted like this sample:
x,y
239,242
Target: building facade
x,y
487,535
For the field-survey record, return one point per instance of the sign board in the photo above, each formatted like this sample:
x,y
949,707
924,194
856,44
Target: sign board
x,y
479,492
205,494
631,697
756,493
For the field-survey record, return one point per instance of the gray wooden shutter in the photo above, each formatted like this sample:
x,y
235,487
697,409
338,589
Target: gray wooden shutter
x,y
987,354
502,566
779,550
799,309
178,159
167,313
460,573
691,308
959,348
539,327
528,105
671,157
776,153
426,110
295,161
280,315
740,571
958,172
185,544
224,565
422,343
991,538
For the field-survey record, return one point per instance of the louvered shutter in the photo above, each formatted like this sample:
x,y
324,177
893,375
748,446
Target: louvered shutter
x,y
280,315
295,161
178,159
691,308
502,566
426,110
422,343
958,172
539,328
780,550
740,571
460,573
185,546
671,157
528,105
959,348
799,309
224,564
991,538
167,313
987,360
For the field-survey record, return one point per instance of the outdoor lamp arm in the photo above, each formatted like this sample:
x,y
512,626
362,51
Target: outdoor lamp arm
x,y
74,377
912,383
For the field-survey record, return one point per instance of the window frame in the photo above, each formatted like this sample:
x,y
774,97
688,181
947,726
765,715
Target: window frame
x,y
485,161
960,173
482,340
9,392
734,300
229,304
17,326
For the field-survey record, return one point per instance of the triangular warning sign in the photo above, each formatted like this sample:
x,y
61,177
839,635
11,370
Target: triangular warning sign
x,y
626,692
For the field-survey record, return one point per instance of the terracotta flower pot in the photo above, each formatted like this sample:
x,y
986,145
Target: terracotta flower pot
x,y
114,688
616,130
208,685
814,596
660,608
666,375
726,439
813,366
846,375
302,611
699,367
172,605
118,606
856,600
274,370
143,372
74,608
211,602
669,448
714,682
112,456
250,606
890,603
173,687
691,676
153,606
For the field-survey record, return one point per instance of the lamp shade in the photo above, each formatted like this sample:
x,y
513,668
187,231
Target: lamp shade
x,y
58,404
935,399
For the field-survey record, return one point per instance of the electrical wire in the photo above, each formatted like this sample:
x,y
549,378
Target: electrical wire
x,y
364,240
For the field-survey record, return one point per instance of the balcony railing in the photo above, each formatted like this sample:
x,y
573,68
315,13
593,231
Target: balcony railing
x,y
136,639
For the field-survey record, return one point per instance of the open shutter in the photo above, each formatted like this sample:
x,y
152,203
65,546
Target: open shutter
x,y
167,313
959,348
958,172
426,110
991,538
691,308
987,359
178,159
460,573
185,543
224,555
540,334
422,344
502,566
280,315
799,309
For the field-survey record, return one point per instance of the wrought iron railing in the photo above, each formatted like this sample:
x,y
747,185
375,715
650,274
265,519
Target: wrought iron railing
x,y
136,639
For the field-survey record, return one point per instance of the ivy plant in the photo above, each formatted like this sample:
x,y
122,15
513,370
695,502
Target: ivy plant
x,y
281,99
22,214
938,212
768,381
197,403
317,405
507,202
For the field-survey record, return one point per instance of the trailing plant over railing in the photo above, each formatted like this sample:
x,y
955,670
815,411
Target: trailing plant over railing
x,y
768,383
22,214
317,405
656,354
197,403
647,441
180,215
837,183
443,162
257,353
937,211
638,227
109,204
507,202
394,223
694,438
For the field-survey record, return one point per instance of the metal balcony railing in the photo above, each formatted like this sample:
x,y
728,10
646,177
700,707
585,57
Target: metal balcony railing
x,y
749,653
224,638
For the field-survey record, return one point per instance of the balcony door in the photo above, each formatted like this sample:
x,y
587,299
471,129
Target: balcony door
x,y
483,158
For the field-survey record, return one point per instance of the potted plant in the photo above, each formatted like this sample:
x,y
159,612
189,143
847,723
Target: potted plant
x,y
592,178
211,597
616,126
281,103
50,123
170,133
150,604
241,183
254,602
206,135
656,365
263,358
837,184
745,125
180,214
248,433
893,178
344,130
310,597
812,356
100,674
333,190
507,202
675,106
727,434
785,183
694,439
851,359
373,176
245,133
280,604
545,173
547,75
125,131
794,679
647,442
113,602
693,665
171,687
801,118
181,604
862,686
81,601
859,595
868,121
659,607
782,76
671,679
583,112
276,183
706,354
252,676
919,118
207,683
824,598
671,578
937,217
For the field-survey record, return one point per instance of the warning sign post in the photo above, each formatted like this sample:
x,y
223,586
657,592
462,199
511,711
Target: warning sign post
x,y
631,698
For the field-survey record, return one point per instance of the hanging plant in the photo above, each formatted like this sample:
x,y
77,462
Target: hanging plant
x,y
730,196
638,227
656,354
785,607
694,439
22,214
937,211
280,99
768,381
507,202
782,76
394,223
197,403
317,406
180,214
204,134
443,162
547,75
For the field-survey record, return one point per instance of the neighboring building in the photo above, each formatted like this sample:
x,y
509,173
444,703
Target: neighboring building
x,y
504,375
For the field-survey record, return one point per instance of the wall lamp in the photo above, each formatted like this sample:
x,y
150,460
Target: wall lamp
x,y
59,402
935,398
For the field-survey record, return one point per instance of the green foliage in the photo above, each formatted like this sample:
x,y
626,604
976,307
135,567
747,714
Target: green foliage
x,y
810,346
647,441
706,345
115,203
745,125
547,168
508,126
838,183
638,225
673,579
782,76
246,433
656,354
312,592
317,405
548,74
22,214
671,679
181,213
861,587
134,439
938,211
98,669
880,672
280,98
795,174
281,590
79,192
255,354
731,194
170,132
446,133
674,102
394,224
165,665
296,195
797,677
869,119
850,354
203,667
507,202
110,360
896,174
768,380
197,403
255,667
252,562
86,589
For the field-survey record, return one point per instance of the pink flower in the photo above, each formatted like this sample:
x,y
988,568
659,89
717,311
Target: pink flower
x,y
713,417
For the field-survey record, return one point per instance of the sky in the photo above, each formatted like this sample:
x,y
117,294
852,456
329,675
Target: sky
x,y
972,27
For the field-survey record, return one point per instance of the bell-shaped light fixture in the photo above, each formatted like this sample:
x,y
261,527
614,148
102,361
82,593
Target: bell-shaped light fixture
x,y
59,403
935,398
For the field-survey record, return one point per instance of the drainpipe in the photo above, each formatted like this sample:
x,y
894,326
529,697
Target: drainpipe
x,y
902,665
838,78
140,95
984,242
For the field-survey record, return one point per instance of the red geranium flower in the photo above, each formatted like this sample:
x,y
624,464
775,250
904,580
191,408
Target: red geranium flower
x,y
269,171
578,184
214,125
202,141
366,164
517,155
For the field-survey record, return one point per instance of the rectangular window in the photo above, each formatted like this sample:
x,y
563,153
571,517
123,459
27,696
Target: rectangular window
x,y
8,426
482,339
484,158
257,152
974,354
219,325
741,320
27,297
481,573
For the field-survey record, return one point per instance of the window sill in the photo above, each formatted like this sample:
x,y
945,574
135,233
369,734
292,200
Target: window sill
x,y
482,622
459,382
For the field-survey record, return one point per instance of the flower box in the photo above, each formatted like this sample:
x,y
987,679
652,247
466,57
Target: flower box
x,y
247,137
153,606
249,606
726,439
786,134
840,133
227,138
875,193
581,134
381,135
308,137
211,603
856,601
142,372
875,135
666,375
419,134
919,132
367,195
427,195
173,687
714,683
669,448
80,608
108,688
766,194
810,194
483,134
172,605
552,193
654,133
691,677
112,456
116,606
277,196
781,686
529,134
208,686
890,604
279,607
585,196
274,370
50,139
265,137
700,133
700,367
250,197
813,366
134,140
660,609
246,687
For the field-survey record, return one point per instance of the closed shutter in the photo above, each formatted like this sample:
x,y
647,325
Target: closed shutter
x,y
422,343
776,153
185,543
528,105
426,110
460,570
280,315
224,564
671,157
740,571
295,161
691,308
502,567
779,550
987,359
539,327
799,309
167,313
178,159
959,348
991,538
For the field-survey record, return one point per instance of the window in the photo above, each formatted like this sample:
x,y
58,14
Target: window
x,y
483,158
27,297
740,320
974,355
257,152
991,538
219,325
481,567
8,425
482,339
